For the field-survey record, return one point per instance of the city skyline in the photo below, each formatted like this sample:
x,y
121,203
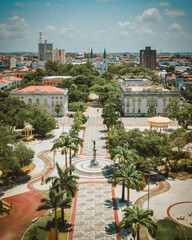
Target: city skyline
x,y
118,25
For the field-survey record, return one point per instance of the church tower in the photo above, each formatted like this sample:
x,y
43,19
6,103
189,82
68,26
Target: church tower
x,y
104,68
91,60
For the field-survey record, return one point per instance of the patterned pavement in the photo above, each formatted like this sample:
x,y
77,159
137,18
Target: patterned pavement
x,y
95,219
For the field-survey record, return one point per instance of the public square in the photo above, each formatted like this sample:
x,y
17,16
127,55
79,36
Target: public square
x,y
96,209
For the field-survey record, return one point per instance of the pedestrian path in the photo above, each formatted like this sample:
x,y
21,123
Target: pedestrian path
x,y
94,217
96,133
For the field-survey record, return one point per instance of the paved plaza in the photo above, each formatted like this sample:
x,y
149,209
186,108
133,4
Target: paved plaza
x,y
97,209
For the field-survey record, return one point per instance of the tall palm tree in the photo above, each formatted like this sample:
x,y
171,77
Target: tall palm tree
x,y
76,139
65,141
124,154
65,182
139,217
133,179
55,200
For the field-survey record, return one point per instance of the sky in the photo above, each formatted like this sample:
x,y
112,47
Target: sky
x,y
79,25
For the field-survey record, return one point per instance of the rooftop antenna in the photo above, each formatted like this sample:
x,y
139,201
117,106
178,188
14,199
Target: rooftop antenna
x,y
40,37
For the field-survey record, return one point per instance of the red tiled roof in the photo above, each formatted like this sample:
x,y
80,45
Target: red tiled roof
x,y
42,89
15,78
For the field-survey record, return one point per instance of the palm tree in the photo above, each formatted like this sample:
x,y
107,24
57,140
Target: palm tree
x,y
133,179
124,154
65,182
76,139
55,200
65,141
139,217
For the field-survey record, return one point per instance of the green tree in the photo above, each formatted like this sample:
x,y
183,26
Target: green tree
x,y
137,217
65,141
110,116
58,109
24,154
125,155
43,124
173,108
65,182
133,179
55,200
184,116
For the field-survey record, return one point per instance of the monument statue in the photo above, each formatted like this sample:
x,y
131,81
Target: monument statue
x,y
93,161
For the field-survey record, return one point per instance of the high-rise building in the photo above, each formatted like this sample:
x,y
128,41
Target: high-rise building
x,y
59,56
45,50
148,58
12,62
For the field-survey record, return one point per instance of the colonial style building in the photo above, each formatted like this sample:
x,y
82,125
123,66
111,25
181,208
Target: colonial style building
x,y
48,97
141,100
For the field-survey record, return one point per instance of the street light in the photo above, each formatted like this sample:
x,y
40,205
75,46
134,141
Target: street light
x,y
54,153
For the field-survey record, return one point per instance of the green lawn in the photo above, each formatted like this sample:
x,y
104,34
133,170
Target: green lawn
x,y
41,228
168,230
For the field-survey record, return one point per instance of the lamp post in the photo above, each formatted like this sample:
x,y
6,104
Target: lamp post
x,y
54,153
148,181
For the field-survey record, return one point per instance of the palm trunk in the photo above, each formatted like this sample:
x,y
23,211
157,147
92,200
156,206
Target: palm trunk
x,y
70,159
66,159
123,191
138,233
62,214
56,223
127,196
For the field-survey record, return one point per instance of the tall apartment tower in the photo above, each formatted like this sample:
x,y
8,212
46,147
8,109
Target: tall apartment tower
x,y
148,58
59,55
45,50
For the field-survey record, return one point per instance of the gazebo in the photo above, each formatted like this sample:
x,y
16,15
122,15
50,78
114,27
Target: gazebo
x,y
159,123
28,131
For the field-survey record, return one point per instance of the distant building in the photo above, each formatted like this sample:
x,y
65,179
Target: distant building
x,y
48,97
145,99
45,51
21,73
59,56
148,58
40,64
54,80
12,62
100,67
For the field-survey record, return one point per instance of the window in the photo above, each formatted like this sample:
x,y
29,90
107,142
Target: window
x,y
52,97
61,97
56,97
52,103
45,101
37,100
29,101
21,97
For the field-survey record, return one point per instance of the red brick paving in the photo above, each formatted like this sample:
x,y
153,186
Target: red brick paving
x,y
13,226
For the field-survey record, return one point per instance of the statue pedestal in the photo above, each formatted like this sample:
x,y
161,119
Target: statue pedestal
x,y
93,162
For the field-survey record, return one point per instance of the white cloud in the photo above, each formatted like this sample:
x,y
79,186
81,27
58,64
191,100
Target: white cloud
x,y
129,25
48,4
150,15
175,32
144,30
125,24
174,27
20,4
174,13
50,28
163,4
16,28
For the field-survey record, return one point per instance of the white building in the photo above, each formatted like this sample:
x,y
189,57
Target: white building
x,y
100,67
145,100
12,62
47,96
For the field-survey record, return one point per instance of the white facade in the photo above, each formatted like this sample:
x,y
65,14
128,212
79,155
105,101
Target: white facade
x,y
12,62
48,97
100,67
144,101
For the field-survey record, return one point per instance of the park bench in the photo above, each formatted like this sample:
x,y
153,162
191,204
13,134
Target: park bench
x,y
35,219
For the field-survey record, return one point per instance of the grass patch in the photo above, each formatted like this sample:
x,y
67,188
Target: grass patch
x,y
169,230
41,228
